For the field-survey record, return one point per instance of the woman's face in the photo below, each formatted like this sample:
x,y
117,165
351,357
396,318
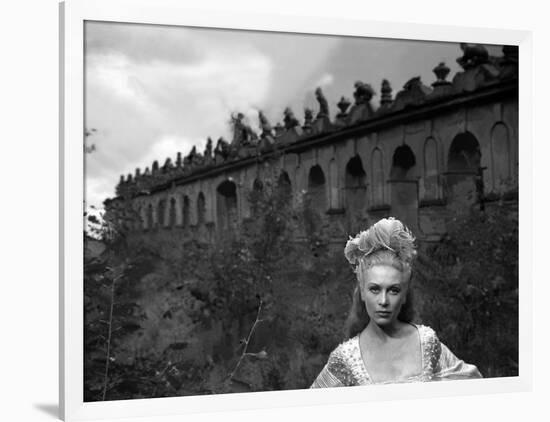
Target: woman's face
x,y
384,291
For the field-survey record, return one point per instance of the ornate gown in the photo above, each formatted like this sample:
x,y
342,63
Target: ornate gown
x,y
345,365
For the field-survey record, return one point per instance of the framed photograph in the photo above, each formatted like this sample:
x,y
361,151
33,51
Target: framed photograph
x,y
299,210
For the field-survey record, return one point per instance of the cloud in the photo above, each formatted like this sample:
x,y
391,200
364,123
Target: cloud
x,y
149,110
325,80
99,189
141,43
167,147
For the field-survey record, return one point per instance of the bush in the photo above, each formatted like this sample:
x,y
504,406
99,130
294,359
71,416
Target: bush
x,y
468,289
168,315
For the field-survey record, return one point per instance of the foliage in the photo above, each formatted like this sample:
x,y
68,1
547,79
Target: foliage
x,y
123,316
110,314
171,295
468,289
243,265
168,315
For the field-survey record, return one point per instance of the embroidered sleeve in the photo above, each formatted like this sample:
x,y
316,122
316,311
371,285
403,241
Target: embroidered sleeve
x,y
337,372
326,379
449,367
431,350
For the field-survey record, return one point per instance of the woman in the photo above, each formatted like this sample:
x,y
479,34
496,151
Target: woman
x,y
383,345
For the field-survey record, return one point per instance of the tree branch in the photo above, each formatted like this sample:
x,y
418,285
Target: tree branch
x,y
246,342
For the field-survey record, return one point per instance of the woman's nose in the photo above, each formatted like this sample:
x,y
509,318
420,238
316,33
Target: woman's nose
x,y
383,299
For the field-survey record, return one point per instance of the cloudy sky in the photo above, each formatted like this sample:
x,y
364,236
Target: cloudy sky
x,y
151,90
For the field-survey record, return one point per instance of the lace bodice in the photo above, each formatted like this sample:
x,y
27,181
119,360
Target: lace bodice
x,y
345,366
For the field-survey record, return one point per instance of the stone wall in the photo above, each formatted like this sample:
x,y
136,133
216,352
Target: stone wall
x,y
421,157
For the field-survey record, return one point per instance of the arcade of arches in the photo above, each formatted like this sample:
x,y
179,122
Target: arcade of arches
x,y
417,173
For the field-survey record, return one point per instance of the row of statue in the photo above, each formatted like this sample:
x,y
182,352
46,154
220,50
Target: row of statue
x,y
479,69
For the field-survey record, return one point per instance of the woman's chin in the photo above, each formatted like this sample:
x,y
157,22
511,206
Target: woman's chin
x,y
383,321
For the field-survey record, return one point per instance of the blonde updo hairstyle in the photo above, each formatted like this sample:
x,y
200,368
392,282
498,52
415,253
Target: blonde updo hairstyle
x,y
387,242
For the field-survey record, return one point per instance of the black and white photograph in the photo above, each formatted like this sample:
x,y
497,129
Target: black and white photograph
x,y
272,211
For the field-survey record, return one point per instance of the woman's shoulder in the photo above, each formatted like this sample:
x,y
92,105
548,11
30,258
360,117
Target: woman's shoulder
x,y
431,346
428,337
345,362
426,332
341,368
345,350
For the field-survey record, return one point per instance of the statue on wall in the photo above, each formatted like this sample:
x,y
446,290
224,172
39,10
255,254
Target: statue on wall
x,y
267,129
188,159
414,93
155,167
289,119
343,105
386,90
363,93
279,129
197,158
221,152
323,104
208,150
473,55
167,165
243,135
308,118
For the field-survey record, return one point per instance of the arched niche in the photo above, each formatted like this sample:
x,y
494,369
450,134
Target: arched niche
x,y
500,158
377,169
463,176
201,209
403,163
255,196
404,186
334,197
430,175
161,213
135,218
227,215
185,212
355,186
284,186
150,217
464,155
316,188
143,217
172,212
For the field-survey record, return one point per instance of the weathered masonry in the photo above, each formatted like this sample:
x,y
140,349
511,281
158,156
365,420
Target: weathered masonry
x,y
421,156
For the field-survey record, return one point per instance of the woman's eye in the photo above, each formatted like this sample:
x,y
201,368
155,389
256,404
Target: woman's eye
x,y
395,291
374,289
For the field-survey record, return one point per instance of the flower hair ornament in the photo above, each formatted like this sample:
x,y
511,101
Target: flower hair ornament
x,y
387,234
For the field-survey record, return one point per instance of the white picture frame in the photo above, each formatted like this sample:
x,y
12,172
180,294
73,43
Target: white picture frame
x,y
73,14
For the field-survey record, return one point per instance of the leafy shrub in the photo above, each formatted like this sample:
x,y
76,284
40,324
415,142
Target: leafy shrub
x,y
468,289
167,315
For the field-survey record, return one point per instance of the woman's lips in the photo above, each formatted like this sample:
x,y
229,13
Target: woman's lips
x,y
383,313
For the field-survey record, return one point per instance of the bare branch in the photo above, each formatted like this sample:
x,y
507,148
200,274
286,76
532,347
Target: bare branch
x,y
247,341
